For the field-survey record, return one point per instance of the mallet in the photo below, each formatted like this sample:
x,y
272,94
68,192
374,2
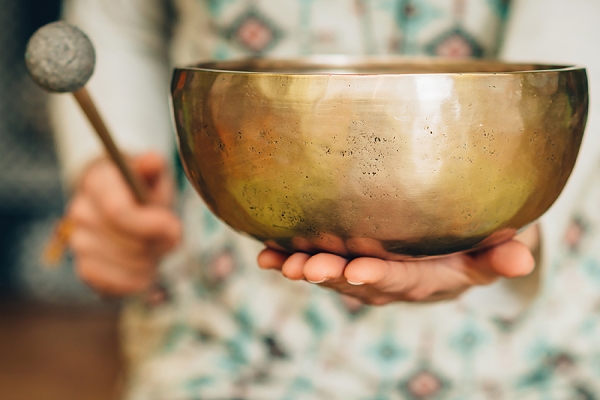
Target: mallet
x,y
61,59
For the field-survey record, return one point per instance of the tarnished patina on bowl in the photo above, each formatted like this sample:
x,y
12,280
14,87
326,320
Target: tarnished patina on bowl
x,y
385,157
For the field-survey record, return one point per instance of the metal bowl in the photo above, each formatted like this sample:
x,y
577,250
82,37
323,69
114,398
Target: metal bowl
x,y
385,157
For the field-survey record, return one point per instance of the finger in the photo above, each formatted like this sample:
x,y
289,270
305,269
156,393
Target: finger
x,y
271,259
110,279
293,267
88,244
155,172
149,166
148,222
511,259
366,270
407,280
114,200
103,178
84,214
323,267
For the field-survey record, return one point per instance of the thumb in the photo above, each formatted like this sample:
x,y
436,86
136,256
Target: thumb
x,y
510,260
149,166
154,171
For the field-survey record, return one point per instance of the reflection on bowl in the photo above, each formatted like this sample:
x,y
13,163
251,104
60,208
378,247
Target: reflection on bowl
x,y
386,157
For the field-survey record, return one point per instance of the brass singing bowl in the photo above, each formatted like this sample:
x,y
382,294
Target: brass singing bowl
x,y
386,157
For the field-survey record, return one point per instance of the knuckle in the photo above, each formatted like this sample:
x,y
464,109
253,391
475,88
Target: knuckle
x,y
113,209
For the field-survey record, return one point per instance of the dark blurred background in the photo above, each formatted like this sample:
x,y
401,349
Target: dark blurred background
x,y
57,339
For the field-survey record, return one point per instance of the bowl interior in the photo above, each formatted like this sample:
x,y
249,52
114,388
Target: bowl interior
x,y
344,65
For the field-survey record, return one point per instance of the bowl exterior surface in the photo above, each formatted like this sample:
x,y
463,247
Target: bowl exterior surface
x,y
393,164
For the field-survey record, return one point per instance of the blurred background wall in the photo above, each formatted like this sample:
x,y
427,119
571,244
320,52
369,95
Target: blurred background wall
x,y
31,198
57,339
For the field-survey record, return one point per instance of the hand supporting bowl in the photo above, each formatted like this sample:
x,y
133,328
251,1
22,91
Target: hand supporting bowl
x,y
386,157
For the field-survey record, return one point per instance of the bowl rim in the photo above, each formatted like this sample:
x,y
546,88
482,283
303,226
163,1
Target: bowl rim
x,y
341,65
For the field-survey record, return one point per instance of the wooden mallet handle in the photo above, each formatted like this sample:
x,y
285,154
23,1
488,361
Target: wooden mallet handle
x,y
87,105
61,58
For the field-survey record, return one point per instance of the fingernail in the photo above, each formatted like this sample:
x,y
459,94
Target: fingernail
x,y
321,281
356,283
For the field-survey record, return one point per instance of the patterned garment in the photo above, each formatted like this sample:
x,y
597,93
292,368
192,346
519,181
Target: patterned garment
x,y
229,28
223,329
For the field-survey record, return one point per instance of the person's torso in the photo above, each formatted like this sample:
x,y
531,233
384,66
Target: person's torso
x,y
232,328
